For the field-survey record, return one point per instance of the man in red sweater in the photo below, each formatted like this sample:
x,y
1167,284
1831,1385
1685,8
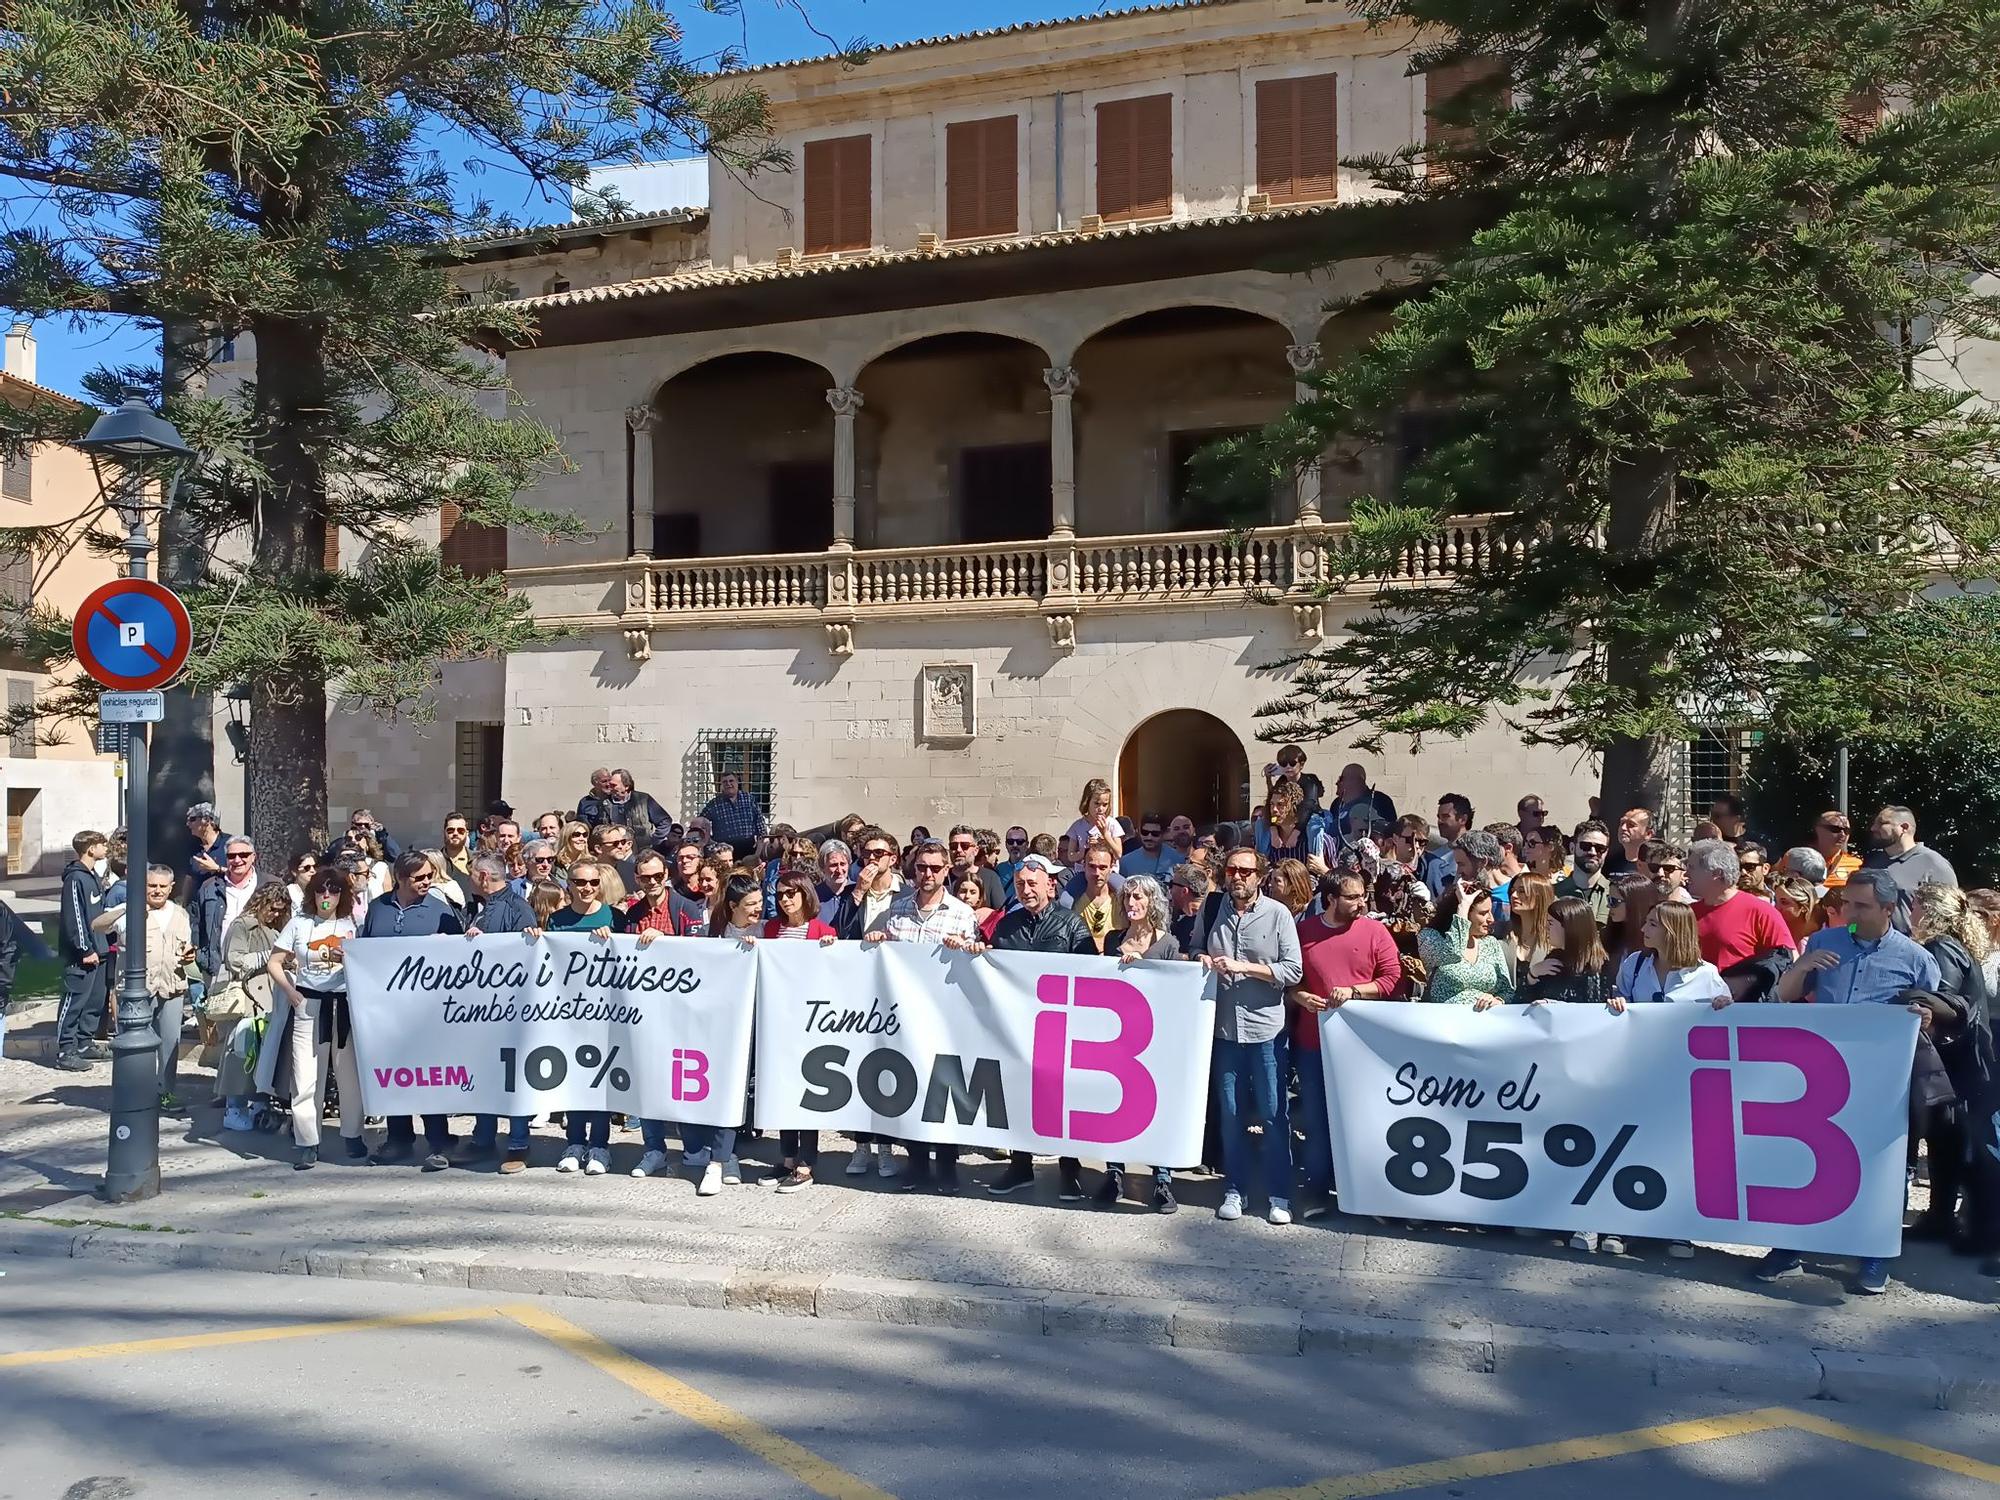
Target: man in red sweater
x,y
1347,956
1732,925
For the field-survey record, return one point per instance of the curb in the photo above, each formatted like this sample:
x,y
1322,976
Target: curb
x,y
1682,1362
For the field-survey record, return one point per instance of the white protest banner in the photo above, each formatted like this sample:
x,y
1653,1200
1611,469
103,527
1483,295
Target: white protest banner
x,y
1776,1125
500,1025
1048,1053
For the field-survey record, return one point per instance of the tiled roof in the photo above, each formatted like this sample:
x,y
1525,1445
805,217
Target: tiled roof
x,y
538,234
973,36
27,390
824,265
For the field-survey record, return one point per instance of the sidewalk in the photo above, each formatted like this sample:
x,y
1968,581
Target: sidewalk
x,y
856,1247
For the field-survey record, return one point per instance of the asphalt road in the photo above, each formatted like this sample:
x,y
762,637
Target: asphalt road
x,y
160,1384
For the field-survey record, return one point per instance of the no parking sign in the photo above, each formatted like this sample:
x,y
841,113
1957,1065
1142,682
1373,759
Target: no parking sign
x,y
132,634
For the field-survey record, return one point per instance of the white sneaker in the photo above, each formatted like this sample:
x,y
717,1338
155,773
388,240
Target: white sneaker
x,y
597,1163
1680,1249
1587,1243
1611,1244
1281,1211
711,1181
885,1164
732,1171
859,1163
652,1164
1232,1206
571,1160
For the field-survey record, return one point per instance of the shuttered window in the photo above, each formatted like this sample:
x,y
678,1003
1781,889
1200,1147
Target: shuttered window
x,y
838,192
329,558
20,697
1485,75
981,178
474,548
1298,154
17,479
1135,158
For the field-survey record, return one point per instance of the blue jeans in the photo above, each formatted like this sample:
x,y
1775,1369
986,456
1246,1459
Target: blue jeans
x,y
653,1133
1255,1070
718,1140
1316,1171
588,1127
486,1130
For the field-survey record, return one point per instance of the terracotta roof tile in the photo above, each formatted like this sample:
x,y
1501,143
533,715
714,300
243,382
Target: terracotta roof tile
x,y
824,265
973,36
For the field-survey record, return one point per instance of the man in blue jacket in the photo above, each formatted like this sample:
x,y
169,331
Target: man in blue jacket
x,y
408,911
83,956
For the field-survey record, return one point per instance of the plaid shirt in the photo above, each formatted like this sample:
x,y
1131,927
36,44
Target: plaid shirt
x,y
951,917
735,819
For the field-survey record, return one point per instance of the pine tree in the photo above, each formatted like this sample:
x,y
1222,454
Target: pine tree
x,y
273,167
1702,347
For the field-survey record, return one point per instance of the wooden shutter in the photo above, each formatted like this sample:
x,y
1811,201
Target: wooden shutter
x,y
1135,158
1298,149
1473,74
476,549
329,557
981,178
839,193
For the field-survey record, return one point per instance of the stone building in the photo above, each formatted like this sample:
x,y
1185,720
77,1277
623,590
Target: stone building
x,y
886,458
54,780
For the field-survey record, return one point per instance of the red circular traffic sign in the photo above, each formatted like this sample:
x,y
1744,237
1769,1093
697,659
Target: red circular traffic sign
x,y
132,634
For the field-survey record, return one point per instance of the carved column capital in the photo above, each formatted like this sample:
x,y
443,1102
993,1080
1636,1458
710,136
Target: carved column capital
x,y
643,417
1061,380
845,400
1303,358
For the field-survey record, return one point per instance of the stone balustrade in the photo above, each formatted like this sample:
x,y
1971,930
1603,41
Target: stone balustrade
x,y
1284,566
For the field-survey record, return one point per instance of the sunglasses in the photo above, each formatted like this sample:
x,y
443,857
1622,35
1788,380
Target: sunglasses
x,y
1748,866
1835,827
306,864
541,859
929,869
587,885
457,828
652,877
1241,872
233,858
963,844
1594,848
1669,869
1017,843
1149,833
878,853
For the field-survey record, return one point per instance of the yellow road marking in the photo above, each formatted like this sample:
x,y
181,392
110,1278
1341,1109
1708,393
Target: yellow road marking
x,y
1534,1456
135,1347
1916,1453
684,1400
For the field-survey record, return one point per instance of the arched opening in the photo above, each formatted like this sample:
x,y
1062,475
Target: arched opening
x,y
1155,389
743,458
953,443
1184,761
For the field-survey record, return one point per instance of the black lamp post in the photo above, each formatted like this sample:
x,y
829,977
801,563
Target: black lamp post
x,y
134,451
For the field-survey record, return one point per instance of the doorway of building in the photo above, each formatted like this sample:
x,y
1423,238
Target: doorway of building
x,y
20,802
1184,761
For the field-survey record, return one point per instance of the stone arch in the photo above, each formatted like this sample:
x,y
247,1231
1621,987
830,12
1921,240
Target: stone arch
x,y
732,349
1156,386
945,325
953,440
742,456
1184,760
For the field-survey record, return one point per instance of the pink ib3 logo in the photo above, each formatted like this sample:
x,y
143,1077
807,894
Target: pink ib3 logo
x,y
1056,1056
1808,1119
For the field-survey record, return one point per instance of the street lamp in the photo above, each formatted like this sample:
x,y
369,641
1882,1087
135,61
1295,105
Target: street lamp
x,y
130,449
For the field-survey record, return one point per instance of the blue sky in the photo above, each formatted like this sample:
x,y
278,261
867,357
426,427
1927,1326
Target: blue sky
x,y
763,30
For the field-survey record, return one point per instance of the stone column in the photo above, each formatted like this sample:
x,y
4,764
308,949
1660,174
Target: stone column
x,y
644,421
1304,359
1061,382
845,401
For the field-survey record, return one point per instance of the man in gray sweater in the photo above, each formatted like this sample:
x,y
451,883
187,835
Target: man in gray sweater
x,y
1250,943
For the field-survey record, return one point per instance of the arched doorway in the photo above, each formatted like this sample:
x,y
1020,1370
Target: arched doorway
x,y
1184,761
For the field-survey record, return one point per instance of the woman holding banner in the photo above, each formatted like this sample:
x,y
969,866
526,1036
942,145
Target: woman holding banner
x,y
587,1132
739,914
798,921
309,967
1148,935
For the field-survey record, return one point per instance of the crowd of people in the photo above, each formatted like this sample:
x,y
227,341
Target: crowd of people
x,y
1317,901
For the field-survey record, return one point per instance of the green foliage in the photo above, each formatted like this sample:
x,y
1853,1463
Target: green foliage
x,y
1703,351
220,168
